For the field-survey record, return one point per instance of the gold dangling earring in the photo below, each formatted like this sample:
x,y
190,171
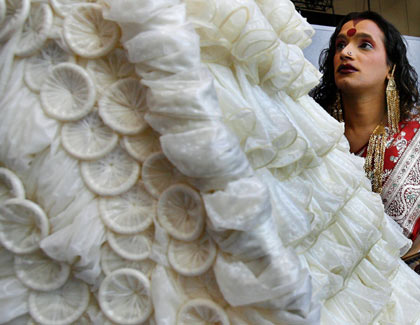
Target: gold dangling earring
x,y
393,103
337,111
374,162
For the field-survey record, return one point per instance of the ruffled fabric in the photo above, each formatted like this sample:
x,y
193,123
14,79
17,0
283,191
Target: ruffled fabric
x,y
326,218
206,150
291,27
291,231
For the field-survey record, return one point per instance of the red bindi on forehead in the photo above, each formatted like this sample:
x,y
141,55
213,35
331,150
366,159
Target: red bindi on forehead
x,y
351,32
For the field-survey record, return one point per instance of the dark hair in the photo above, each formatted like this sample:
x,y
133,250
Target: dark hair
x,y
396,51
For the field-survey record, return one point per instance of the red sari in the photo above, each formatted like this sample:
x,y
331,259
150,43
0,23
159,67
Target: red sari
x,y
401,190
401,179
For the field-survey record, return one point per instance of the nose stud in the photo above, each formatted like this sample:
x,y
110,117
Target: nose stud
x,y
349,53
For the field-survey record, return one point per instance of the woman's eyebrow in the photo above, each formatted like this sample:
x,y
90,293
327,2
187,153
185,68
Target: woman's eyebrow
x,y
364,35
341,36
357,35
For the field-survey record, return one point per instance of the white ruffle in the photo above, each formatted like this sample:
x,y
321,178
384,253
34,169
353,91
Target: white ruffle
x,y
300,237
289,25
190,152
205,149
134,11
242,205
238,31
271,279
181,97
336,221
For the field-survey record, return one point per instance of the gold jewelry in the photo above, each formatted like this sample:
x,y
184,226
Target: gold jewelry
x,y
337,111
374,162
375,157
393,104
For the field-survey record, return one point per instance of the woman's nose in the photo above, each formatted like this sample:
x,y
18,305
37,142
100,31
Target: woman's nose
x,y
347,52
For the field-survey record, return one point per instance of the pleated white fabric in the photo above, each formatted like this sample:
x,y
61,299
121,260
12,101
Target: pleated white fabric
x,y
292,234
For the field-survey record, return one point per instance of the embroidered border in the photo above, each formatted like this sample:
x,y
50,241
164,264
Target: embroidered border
x,y
401,191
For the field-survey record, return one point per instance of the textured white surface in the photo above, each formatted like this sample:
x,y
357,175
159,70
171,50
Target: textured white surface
x,y
292,232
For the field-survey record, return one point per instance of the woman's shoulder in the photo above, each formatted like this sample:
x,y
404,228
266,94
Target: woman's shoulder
x,y
408,129
413,115
412,122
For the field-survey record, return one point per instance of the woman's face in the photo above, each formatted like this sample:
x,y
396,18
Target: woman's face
x,y
360,62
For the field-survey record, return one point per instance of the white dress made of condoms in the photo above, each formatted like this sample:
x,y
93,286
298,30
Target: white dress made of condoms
x,y
162,163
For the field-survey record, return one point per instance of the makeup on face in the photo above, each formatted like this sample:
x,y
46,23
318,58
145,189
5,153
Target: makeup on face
x,y
351,32
360,56
365,38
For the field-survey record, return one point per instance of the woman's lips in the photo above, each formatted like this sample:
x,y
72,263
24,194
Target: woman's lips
x,y
346,68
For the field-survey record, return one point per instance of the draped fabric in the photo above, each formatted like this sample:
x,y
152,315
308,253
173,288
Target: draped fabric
x,y
162,163
401,192
401,177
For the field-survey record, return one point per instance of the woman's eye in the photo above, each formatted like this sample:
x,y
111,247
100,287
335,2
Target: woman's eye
x,y
366,45
340,45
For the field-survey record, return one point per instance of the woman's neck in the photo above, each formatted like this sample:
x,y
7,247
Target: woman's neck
x,y
362,114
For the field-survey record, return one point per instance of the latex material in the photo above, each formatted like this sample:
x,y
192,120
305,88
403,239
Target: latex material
x,y
226,86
